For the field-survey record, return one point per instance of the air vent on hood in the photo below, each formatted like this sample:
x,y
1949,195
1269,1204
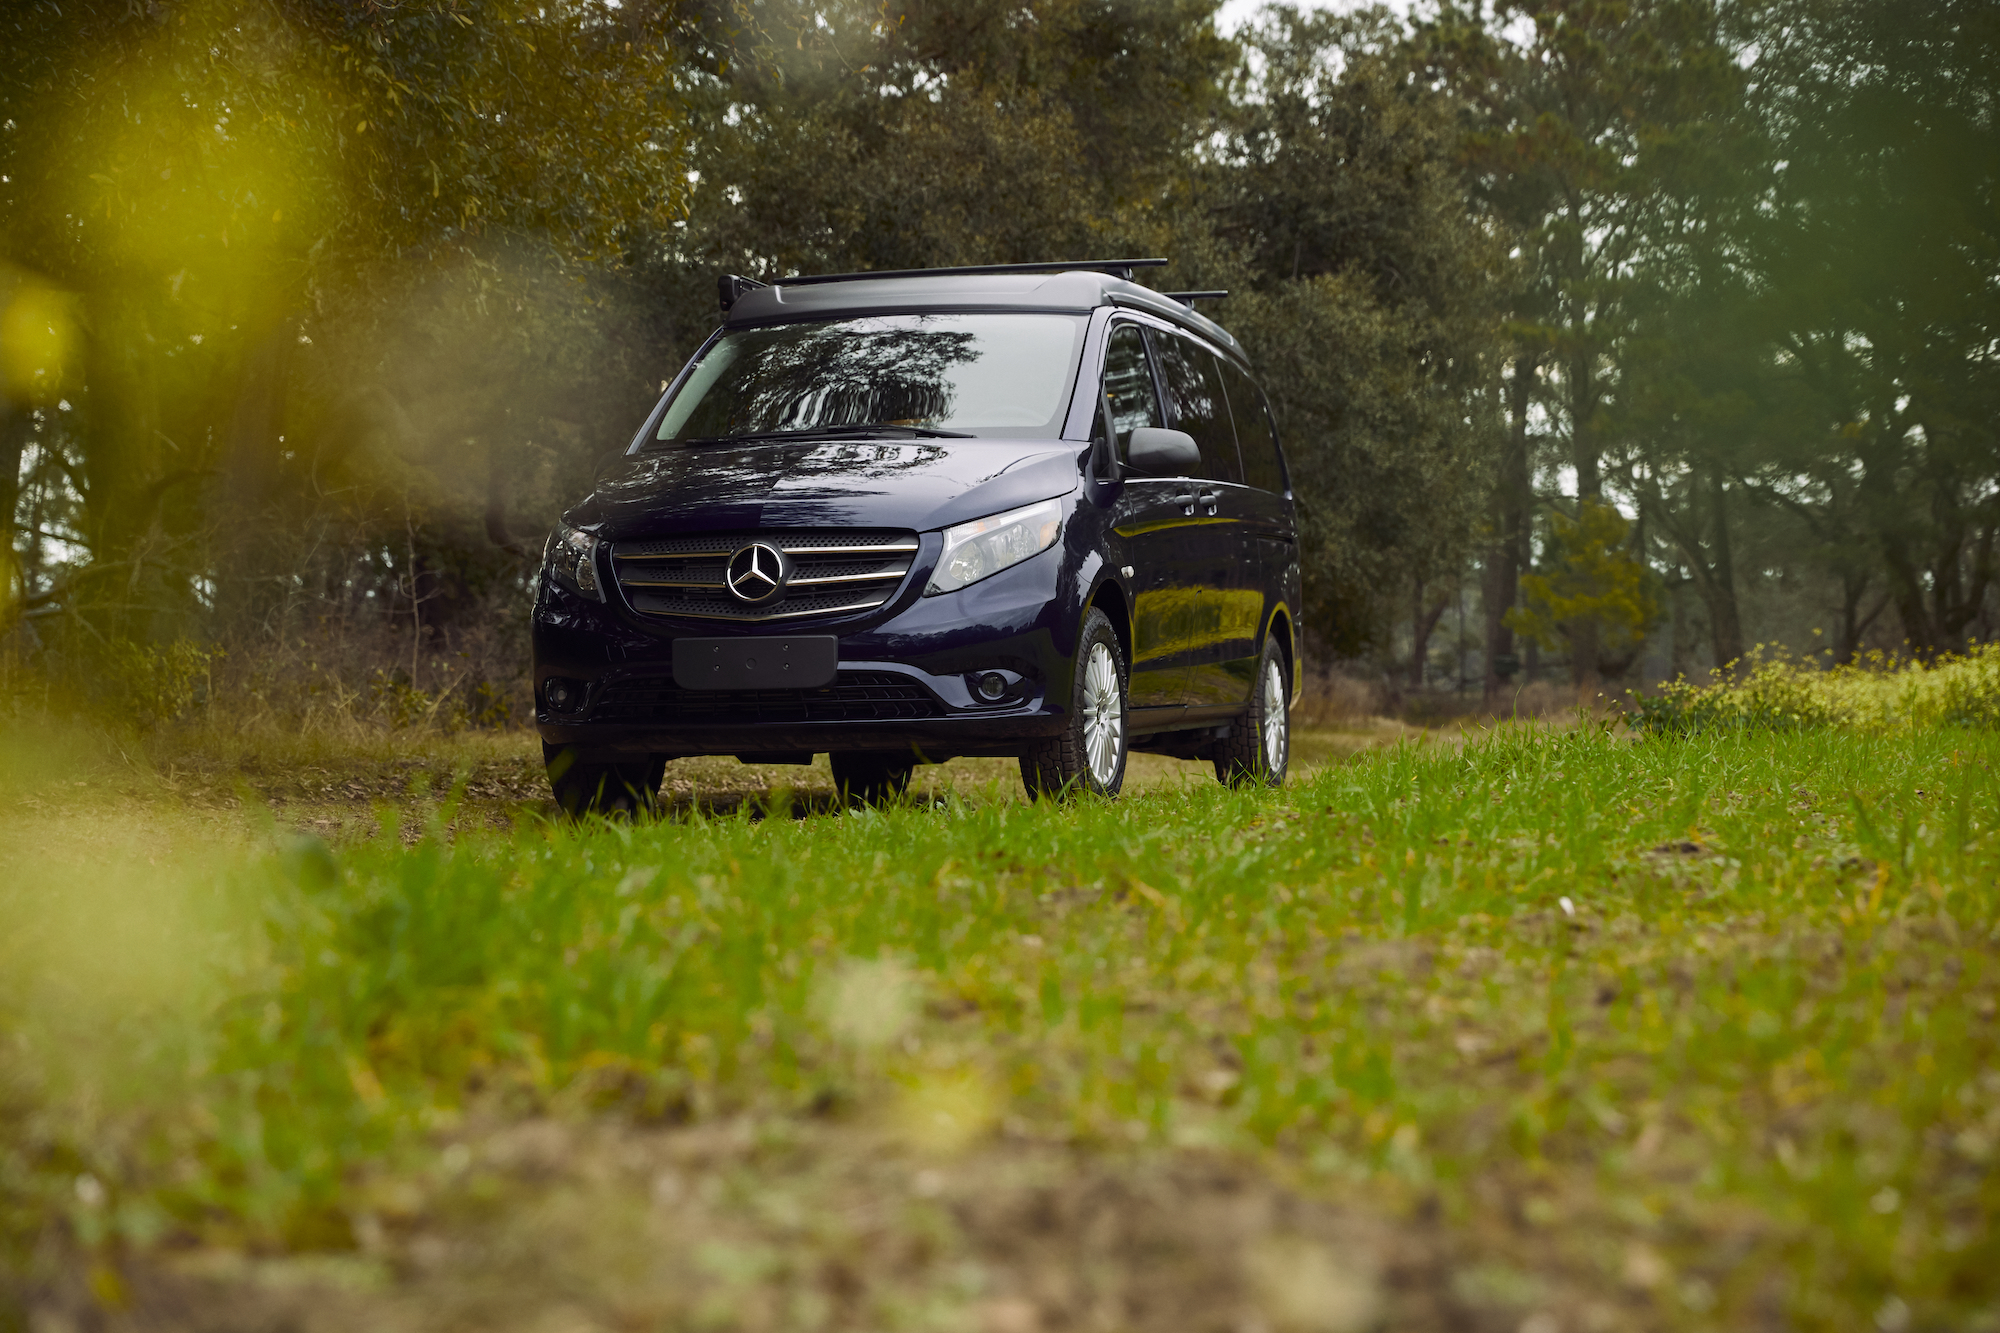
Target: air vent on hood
x,y
825,573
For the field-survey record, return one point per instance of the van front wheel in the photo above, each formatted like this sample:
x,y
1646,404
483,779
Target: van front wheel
x,y
871,779
583,789
1089,753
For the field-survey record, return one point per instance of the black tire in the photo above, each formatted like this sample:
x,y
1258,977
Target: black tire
x,y
871,778
1258,749
1089,755
583,789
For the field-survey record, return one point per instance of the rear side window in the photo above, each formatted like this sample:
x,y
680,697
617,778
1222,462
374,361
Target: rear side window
x,y
1255,435
1194,393
1128,384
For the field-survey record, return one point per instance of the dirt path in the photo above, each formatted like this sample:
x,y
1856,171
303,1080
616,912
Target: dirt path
x,y
575,1226
496,781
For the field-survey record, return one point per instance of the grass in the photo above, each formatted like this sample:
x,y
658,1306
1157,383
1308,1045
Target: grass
x,y
1552,1030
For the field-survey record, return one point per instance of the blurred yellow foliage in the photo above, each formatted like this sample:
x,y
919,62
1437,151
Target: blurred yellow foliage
x,y
946,1111
38,338
867,1002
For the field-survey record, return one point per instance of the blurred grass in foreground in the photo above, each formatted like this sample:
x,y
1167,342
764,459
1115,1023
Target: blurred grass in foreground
x,y
1703,1030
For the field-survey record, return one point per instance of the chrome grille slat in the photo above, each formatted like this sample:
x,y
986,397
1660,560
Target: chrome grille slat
x,y
673,583
896,549
877,576
834,572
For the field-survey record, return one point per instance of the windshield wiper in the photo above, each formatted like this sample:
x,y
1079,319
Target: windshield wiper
x,y
829,433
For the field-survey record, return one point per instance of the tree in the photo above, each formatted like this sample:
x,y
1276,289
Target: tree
x,y
849,136
1365,296
1571,139
1591,582
1880,264
219,180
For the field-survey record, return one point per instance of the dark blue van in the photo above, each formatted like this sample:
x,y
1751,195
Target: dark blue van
x,y
1028,510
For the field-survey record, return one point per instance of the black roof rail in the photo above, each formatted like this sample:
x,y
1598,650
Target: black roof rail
x,y
1189,298
1117,268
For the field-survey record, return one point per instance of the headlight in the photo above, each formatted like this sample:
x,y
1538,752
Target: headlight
x,y
988,545
570,561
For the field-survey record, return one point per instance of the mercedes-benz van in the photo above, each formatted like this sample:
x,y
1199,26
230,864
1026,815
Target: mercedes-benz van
x,y
1035,511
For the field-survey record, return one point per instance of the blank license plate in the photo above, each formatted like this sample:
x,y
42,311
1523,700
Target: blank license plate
x,y
795,662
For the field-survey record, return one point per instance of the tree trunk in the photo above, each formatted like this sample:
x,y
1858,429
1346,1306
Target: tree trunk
x,y
497,530
1919,633
1507,556
250,470
1725,621
16,429
1422,622
1589,486
1853,623
1583,659
1682,631
246,485
1583,427
120,426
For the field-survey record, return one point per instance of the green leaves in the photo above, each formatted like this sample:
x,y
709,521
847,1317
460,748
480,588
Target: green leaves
x,y
1589,576
1370,295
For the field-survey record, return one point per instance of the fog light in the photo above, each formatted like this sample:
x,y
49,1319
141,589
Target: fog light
x,y
991,686
564,695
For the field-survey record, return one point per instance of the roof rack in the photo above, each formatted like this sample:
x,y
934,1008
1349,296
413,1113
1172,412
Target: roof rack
x,y
1117,268
731,286
1189,298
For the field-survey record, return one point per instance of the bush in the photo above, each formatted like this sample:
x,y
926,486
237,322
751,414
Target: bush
x,y
1878,694
147,684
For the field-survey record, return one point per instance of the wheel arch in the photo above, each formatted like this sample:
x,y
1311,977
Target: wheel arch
x,y
1280,627
1109,598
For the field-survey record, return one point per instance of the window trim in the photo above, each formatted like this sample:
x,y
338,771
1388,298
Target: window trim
x,y
1160,387
1106,416
1153,325
1263,404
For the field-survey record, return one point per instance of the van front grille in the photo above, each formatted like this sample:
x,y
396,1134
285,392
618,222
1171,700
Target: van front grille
x,y
854,696
832,572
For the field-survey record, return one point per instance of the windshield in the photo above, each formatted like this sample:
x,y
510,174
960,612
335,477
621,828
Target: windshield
x,y
996,374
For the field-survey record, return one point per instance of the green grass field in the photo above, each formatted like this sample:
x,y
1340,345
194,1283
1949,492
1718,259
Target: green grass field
x,y
1552,1030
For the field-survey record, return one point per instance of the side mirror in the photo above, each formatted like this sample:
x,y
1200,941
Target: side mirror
x,y
1163,453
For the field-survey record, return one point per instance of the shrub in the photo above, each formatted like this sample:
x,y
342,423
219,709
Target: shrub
x,y
1878,694
148,684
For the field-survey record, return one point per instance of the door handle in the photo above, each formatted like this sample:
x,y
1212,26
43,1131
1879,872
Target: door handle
x,y
1186,500
1209,498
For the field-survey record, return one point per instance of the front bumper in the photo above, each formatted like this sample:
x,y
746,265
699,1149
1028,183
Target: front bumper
x,y
904,683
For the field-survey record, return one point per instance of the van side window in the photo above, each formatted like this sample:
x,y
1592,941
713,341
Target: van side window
x,y
1255,434
1194,392
1128,384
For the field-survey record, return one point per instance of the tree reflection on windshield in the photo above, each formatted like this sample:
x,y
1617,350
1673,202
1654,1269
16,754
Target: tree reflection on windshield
x,y
842,377
1001,374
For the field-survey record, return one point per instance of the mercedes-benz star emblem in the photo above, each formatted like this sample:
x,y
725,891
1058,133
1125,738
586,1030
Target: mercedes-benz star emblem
x,y
757,573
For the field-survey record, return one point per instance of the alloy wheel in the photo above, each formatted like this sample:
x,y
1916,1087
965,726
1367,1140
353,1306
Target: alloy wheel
x,y
1277,735
1103,715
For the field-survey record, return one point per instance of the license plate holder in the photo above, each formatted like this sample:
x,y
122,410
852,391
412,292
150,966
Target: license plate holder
x,y
780,662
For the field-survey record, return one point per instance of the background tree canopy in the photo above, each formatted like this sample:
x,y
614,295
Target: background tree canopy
x,y
315,314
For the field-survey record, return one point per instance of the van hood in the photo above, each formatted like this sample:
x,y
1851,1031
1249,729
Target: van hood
x,y
915,484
